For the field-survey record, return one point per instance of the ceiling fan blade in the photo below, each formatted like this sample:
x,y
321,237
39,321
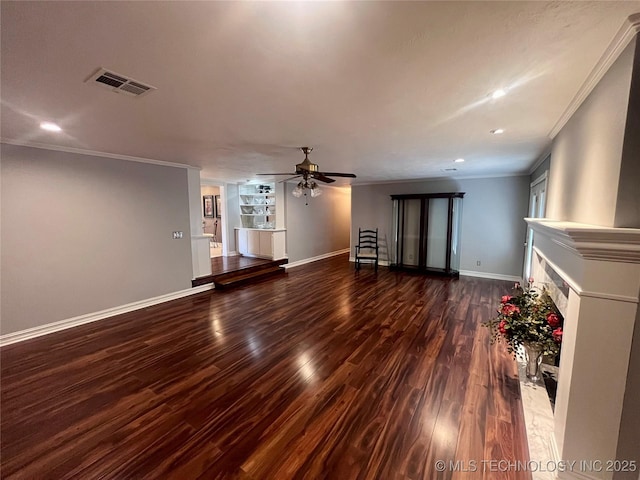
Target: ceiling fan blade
x,y
337,174
287,179
306,170
322,177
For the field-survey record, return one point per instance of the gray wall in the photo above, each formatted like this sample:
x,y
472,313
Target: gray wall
x,y
82,234
587,153
628,201
493,229
320,227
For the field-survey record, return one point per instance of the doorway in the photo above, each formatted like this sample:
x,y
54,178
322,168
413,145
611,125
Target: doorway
x,y
212,213
537,205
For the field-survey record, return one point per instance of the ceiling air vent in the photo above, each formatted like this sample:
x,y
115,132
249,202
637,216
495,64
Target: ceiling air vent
x,y
119,83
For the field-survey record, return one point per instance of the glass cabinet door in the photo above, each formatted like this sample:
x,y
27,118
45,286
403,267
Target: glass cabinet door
x,y
456,225
436,234
410,250
426,232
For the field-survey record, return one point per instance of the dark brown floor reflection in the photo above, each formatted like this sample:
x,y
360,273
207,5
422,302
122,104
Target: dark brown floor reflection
x,y
326,373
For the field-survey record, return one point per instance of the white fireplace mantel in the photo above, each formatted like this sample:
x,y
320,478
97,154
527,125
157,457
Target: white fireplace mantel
x,y
601,267
595,261
592,242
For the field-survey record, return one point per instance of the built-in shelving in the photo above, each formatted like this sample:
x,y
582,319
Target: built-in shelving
x,y
258,205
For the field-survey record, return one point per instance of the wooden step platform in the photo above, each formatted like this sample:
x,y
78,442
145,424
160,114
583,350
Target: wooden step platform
x,y
244,275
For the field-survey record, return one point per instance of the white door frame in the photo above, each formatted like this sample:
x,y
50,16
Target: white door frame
x,y
537,209
223,222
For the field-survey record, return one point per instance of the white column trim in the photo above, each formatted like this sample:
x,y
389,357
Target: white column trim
x,y
601,268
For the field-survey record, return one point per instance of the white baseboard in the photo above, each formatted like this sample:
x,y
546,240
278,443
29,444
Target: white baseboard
x,y
468,273
232,254
304,261
494,276
382,263
573,473
34,332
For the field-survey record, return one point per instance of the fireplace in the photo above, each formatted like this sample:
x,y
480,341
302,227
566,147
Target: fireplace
x,y
593,275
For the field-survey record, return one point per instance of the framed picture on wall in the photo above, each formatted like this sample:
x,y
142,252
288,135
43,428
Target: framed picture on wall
x,y
208,207
218,206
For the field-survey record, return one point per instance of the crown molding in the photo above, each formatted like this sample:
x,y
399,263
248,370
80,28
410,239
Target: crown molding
x,y
591,242
439,179
629,29
95,153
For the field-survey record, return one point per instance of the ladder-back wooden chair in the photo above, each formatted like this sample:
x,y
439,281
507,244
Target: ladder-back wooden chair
x,y
367,248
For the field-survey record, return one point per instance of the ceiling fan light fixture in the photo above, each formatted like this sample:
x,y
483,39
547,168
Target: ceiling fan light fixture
x,y
299,190
316,191
310,172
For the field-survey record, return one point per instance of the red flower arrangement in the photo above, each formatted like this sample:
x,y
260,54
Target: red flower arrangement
x,y
527,318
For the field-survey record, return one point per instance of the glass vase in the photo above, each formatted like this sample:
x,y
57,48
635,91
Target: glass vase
x,y
533,356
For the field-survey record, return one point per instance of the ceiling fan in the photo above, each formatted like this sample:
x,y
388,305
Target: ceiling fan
x,y
309,171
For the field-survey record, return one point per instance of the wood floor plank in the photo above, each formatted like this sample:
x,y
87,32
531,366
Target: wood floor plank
x,y
325,373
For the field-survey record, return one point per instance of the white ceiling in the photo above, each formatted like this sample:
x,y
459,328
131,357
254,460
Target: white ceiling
x,y
386,90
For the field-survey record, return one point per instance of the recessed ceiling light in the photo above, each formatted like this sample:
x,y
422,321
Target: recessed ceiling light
x,y
50,127
497,131
501,92
459,160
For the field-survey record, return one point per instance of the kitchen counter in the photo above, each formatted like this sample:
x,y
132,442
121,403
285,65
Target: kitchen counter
x,y
263,229
270,243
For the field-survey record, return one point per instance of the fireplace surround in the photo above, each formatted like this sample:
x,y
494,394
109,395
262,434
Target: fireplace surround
x,y
598,269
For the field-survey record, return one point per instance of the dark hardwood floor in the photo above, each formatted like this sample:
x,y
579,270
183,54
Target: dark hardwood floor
x,y
325,373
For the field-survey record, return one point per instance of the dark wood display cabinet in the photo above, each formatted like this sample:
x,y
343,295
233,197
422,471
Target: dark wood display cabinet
x,y
426,232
